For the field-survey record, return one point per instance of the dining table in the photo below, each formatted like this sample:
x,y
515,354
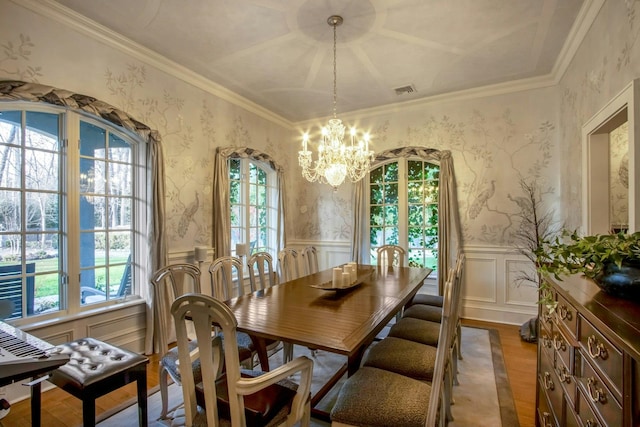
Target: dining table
x,y
311,312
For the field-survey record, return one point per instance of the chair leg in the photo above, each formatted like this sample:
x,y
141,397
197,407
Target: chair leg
x,y
459,332
164,392
287,352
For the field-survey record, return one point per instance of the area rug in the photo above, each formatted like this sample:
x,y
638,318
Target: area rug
x,y
482,398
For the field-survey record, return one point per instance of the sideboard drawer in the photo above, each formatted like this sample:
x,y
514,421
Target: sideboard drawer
x,y
599,395
602,353
567,315
545,416
551,385
586,414
563,348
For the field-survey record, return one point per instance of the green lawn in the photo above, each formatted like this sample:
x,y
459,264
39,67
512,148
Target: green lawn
x,y
47,284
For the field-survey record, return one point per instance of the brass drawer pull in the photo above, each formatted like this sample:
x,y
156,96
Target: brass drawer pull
x,y
546,317
596,349
596,394
546,341
558,343
564,312
564,375
591,423
548,382
546,419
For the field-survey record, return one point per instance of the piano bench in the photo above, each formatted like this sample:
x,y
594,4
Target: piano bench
x,y
96,368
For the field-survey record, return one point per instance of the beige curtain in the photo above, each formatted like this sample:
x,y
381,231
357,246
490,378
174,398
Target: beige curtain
x,y
449,230
13,90
221,203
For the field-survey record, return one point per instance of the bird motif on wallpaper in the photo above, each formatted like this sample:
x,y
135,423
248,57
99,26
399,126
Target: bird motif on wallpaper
x,y
187,216
481,200
523,203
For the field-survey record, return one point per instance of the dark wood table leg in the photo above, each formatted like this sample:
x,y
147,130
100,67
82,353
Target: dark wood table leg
x,y
142,396
260,345
36,404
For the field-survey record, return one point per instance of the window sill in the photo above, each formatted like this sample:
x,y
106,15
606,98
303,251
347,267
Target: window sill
x,y
108,307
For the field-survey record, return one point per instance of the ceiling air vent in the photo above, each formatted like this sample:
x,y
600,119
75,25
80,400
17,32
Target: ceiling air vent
x,y
405,89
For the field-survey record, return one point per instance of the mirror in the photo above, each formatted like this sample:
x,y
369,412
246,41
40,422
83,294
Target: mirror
x,y
610,153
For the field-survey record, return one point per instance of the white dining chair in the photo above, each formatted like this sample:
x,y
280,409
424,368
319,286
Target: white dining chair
x,y
310,260
288,268
262,277
167,284
222,399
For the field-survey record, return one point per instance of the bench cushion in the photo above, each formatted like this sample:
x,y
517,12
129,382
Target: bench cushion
x,y
374,397
403,357
92,361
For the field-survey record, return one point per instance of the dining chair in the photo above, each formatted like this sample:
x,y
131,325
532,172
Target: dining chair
x,y
238,397
168,283
262,277
288,268
379,397
310,260
390,255
227,282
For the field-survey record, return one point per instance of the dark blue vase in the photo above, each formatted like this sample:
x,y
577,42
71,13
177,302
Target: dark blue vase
x,y
623,281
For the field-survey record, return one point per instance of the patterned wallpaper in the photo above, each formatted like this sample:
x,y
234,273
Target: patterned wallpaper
x,y
496,141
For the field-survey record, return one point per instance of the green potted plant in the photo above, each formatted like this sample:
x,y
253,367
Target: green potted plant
x,y
611,260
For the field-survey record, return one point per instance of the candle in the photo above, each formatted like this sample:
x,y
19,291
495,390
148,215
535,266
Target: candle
x,y
345,279
337,277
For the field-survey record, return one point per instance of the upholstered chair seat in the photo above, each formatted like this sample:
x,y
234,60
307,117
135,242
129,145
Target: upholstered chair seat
x,y
421,331
403,357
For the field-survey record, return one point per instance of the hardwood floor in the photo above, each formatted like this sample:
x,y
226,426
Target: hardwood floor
x,y
60,409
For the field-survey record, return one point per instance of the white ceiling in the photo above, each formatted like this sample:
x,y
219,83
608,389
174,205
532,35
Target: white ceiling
x,y
278,53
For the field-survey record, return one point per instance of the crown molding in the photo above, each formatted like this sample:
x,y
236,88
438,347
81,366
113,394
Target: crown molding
x,y
581,26
77,22
56,11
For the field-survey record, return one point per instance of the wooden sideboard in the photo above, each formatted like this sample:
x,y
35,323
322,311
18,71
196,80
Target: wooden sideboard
x,y
588,358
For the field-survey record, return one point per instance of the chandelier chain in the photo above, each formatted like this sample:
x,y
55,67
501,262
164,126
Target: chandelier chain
x,y
335,73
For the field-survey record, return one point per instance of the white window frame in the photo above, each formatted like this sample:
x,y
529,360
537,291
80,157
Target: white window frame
x,y
69,245
245,215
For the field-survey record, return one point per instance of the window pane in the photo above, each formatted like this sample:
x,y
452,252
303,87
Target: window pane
x,y
10,211
234,192
375,196
47,289
391,215
11,175
42,170
375,175
262,177
391,172
119,179
119,149
391,193
234,169
235,215
376,236
414,192
377,215
390,236
416,215
414,169
415,237
42,130
416,258
93,141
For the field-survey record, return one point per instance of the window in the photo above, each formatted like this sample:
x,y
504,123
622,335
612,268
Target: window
x,y
403,209
253,193
68,211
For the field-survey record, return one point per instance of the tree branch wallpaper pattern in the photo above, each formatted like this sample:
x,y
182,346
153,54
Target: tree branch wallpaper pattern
x,y
495,139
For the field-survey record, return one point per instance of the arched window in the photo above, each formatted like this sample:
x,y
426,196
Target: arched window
x,y
72,205
403,209
253,202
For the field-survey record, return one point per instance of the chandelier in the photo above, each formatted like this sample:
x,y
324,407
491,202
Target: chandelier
x,y
337,159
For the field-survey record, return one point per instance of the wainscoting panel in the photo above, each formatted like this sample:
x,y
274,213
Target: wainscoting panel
x,y
479,279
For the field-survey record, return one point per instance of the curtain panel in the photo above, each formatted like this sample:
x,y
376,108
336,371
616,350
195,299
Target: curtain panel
x,y
13,90
449,229
221,201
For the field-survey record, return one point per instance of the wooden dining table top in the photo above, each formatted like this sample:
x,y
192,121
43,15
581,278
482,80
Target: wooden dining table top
x,y
337,321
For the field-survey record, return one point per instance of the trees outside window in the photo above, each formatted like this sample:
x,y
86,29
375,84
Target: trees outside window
x,y
403,209
68,204
253,194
